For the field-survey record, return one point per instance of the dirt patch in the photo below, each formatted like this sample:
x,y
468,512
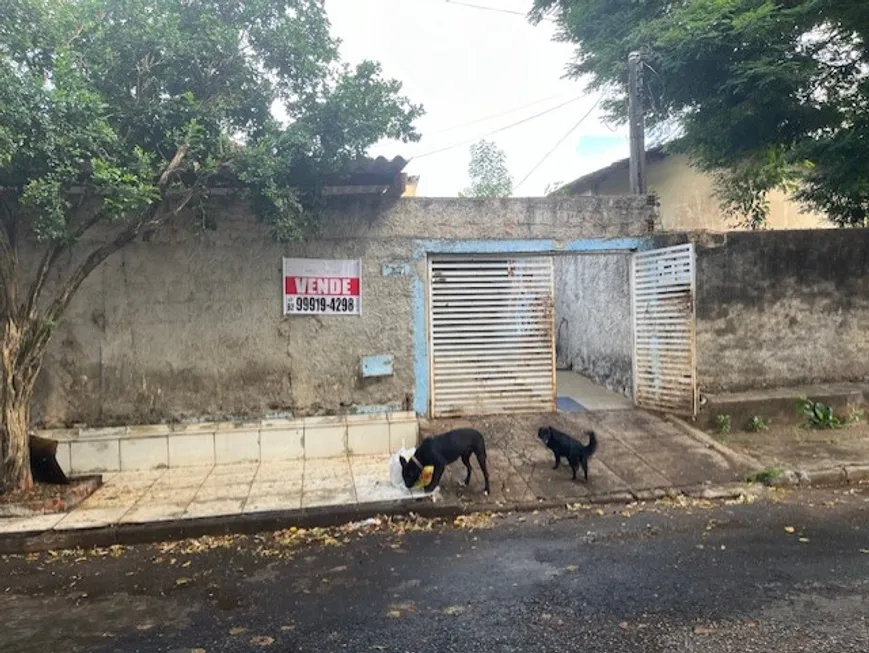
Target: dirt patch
x,y
43,498
799,447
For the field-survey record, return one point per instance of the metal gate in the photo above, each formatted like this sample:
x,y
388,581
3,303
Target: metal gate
x,y
663,290
492,344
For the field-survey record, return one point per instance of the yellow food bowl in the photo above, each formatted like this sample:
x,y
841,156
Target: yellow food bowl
x,y
425,477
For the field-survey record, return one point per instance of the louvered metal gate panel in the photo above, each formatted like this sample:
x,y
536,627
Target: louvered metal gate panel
x,y
491,335
663,290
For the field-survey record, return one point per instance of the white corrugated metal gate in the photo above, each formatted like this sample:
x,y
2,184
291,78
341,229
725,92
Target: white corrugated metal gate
x,y
663,290
492,345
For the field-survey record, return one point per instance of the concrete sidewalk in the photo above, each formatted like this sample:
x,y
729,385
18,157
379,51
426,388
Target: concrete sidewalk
x,y
190,493
639,456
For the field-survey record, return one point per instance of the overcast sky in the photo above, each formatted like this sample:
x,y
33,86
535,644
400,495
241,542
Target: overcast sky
x,y
467,65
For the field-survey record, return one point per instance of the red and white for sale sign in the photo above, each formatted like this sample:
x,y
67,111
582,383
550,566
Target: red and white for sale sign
x,y
322,287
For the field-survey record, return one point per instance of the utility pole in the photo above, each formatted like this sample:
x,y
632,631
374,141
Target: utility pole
x,y
636,118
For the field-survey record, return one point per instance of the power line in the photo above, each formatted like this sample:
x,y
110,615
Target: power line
x,y
499,10
493,116
499,130
471,5
558,144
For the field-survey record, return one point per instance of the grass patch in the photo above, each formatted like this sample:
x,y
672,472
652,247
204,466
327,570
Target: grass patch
x,y
757,424
767,476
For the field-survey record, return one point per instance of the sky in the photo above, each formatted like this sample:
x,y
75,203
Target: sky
x,y
466,65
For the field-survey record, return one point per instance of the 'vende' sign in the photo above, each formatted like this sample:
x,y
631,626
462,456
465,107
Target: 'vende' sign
x,y
322,287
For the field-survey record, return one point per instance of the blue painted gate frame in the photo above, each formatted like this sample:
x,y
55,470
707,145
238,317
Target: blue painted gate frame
x,y
425,248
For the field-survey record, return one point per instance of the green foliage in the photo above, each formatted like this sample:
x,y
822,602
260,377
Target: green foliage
x,y
819,415
763,93
722,424
488,172
102,96
766,476
757,424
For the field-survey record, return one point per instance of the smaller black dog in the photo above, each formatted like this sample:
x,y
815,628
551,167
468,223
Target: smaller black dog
x,y
441,450
564,446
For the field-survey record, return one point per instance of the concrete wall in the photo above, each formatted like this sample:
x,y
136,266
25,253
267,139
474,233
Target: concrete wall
x,y
189,325
593,318
688,199
779,309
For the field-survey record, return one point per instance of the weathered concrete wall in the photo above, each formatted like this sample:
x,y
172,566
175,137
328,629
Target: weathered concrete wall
x,y
779,309
189,324
593,318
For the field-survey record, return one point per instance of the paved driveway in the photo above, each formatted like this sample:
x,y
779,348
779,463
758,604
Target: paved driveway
x,y
637,452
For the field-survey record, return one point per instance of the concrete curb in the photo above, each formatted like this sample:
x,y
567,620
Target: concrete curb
x,y
248,524
711,443
827,477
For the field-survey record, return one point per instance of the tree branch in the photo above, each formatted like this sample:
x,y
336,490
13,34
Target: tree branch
x,y
172,168
152,218
48,261
8,259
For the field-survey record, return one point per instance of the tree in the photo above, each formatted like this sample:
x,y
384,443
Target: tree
x,y
764,93
118,115
488,172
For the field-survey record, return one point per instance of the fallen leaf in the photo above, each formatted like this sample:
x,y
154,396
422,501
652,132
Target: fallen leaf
x,y
703,630
623,625
454,610
144,627
182,581
198,650
393,614
804,540
571,568
262,640
287,628
238,630
789,530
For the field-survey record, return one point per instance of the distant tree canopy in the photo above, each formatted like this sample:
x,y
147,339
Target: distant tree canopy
x,y
116,115
488,172
763,93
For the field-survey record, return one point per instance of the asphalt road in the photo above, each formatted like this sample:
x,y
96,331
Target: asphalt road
x,y
659,578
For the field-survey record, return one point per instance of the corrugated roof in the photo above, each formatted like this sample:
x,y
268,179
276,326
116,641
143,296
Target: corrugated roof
x,y
592,178
369,172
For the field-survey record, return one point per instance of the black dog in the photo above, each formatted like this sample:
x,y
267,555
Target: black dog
x,y
564,446
441,450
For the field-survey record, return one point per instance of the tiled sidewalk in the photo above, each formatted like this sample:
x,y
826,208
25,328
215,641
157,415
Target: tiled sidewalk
x,y
138,497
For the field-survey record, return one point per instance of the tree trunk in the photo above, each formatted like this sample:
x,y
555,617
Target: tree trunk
x,y
16,425
16,391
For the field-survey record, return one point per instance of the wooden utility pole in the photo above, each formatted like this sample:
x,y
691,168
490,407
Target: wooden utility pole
x,y
636,118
